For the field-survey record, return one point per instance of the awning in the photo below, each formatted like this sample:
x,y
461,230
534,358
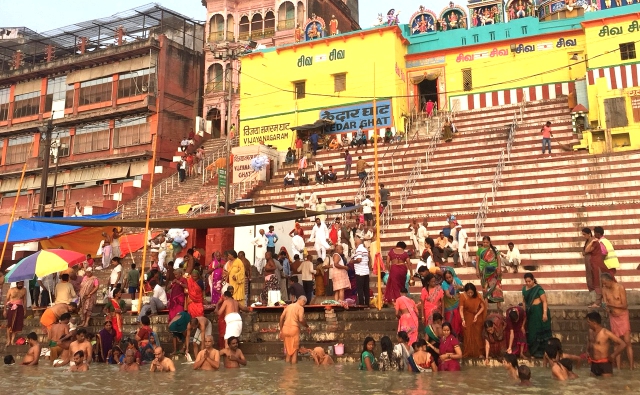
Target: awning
x,y
139,168
319,124
25,230
230,221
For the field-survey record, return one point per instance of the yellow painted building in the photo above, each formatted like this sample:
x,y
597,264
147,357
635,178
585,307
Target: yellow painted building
x,y
613,83
334,78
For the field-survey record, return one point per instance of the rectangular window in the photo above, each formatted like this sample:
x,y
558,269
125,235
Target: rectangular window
x,y
68,101
467,81
628,51
26,105
90,138
492,36
56,90
131,131
136,83
95,91
464,41
17,149
340,82
65,143
506,33
476,38
615,112
4,104
299,89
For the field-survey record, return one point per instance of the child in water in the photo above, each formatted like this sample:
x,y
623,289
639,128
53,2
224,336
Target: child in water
x,y
524,374
78,359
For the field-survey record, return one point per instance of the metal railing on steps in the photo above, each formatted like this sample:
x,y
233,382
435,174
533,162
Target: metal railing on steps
x,y
236,191
168,185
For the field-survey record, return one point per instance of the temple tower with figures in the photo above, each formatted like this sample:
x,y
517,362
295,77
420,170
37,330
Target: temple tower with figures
x,y
257,23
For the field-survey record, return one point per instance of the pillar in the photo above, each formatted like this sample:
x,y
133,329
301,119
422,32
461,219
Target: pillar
x,y
219,239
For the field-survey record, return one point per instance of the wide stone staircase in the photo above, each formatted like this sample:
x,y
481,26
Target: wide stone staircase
x,y
541,202
169,193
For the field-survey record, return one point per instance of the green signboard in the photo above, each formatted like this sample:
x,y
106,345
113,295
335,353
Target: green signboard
x,y
222,178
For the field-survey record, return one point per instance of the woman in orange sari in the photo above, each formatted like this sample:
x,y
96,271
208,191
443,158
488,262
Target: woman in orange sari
x,y
407,313
195,287
431,297
472,309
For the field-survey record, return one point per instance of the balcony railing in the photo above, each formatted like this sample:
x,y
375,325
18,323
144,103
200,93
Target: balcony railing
x,y
243,36
216,36
230,36
214,86
287,24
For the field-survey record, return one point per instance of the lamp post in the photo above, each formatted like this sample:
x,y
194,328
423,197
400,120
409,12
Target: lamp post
x,y
228,52
46,129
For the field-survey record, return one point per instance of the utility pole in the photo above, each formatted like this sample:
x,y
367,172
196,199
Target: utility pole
x,y
228,52
55,150
47,129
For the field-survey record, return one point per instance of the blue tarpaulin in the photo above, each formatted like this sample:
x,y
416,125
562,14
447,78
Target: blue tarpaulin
x,y
25,230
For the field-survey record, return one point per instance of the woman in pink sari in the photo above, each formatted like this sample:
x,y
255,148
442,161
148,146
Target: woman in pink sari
x,y
399,264
431,297
175,304
407,313
216,268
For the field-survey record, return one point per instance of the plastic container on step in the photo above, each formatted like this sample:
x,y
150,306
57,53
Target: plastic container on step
x,y
338,349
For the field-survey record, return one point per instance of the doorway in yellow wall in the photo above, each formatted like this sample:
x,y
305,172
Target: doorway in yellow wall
x,y
428,90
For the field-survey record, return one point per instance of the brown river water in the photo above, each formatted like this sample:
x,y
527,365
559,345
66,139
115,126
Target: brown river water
x,y
277,378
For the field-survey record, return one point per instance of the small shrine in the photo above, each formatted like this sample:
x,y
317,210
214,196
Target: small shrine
x,y
314,28
487,12
423,21
563,9
452,17
517,9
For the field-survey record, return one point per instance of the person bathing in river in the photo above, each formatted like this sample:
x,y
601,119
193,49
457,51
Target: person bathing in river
x,y
599,341
233,356
33,355
510,363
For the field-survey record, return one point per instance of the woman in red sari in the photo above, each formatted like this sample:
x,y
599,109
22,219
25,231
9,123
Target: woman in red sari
x,y
407,313
115,308
431,297
195,287
399,264
175,304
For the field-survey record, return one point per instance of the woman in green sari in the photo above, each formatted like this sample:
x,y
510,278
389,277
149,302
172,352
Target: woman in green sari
x,y
490,272
538,316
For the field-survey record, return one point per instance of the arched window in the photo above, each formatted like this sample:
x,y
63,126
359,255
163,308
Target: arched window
x,y
216,28
215,78
257,27
243,28
230,28
301,14
269,24
286,16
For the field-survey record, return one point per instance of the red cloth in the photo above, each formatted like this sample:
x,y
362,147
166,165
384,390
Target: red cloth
x,y
222,328
116,320
396,281
195,308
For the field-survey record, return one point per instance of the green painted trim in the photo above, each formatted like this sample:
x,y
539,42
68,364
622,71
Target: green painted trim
x,y
312,109
508,89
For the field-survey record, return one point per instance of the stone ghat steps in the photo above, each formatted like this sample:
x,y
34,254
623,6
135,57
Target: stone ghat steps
x,y
185,192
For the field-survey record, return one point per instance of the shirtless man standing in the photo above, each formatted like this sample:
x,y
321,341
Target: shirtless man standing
x,y
599,339
14,310
130,364
229,310
161,363
614,297
81,344
233,355
209,358
33,355
79,364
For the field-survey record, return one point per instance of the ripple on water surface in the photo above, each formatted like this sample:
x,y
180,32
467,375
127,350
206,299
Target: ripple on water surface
x,y
304,378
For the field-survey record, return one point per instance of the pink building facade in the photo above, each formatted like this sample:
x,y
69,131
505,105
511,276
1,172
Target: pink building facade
x,y
266,22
